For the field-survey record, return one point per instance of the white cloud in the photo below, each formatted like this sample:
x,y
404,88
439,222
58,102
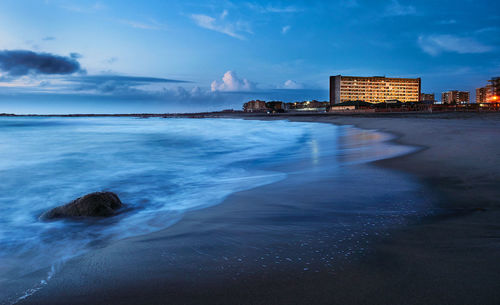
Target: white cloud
x,y
437,44
488,30
285,29
286,9
224,14
398,9
446,22
151,25
221,25
273,9
231,82
291,84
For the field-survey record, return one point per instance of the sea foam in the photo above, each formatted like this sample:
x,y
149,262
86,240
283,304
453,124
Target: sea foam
x,y
160,168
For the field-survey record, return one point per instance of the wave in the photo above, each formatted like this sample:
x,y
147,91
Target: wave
x,y
160,168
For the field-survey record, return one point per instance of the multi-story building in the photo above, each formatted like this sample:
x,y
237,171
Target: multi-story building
x,y
490,93
255,106
495,90
427,97
275,106
483,95
455,97
376,89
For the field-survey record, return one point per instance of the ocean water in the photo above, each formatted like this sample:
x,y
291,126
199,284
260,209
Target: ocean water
x,y
160,168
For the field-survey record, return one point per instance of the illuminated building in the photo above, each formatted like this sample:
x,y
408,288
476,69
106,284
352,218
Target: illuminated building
x,y
483,94
376,89
455,97
495,90
307,106
490,93
427,97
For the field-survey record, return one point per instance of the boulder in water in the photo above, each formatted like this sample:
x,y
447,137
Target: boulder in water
x,y
98,204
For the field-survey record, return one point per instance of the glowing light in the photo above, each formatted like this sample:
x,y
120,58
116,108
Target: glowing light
x,y
314,151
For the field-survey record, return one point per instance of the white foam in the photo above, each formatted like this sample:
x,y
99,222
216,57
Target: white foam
x,y
160,168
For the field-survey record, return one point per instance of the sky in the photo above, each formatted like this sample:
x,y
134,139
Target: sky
x,y
124,56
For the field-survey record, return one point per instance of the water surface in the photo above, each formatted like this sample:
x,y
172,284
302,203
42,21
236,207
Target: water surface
x,y
160,168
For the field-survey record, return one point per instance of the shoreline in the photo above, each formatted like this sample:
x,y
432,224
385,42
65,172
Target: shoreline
x,y
451,258
265,116
433,262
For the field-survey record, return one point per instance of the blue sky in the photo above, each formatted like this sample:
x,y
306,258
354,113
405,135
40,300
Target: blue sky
x,y
183,56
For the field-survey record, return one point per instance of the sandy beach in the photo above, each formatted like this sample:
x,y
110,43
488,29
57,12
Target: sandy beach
x,y
446,260
449,257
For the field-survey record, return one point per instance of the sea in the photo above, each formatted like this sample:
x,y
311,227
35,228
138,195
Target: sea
x,y
161,168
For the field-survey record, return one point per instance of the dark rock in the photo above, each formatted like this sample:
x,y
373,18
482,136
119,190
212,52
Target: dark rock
x,y
99,204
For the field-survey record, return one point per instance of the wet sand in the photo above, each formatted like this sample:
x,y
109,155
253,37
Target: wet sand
x,y
452,258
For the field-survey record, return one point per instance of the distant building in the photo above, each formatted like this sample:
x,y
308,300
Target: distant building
x,y
276,106
455,97
495,90
314,104
255,106
490,93
376,89
427,97
483,95
307,106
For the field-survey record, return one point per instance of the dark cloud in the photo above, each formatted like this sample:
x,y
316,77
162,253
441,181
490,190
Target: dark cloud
x,y
23,62
124,78
117,84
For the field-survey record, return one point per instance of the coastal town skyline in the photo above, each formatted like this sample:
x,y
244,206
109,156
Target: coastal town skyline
x,y
188,57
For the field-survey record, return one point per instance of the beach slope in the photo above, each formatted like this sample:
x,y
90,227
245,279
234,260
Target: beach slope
x,y
451,257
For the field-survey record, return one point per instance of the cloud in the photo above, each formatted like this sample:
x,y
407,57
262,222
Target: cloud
x,y
150,25
285,29
397,9
224,14
192,96
291,84
48,38
23,62
124,78
115,83
446,22
273,9
221,25
112,60
286,9
232,83
487,30
437,44
104,84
